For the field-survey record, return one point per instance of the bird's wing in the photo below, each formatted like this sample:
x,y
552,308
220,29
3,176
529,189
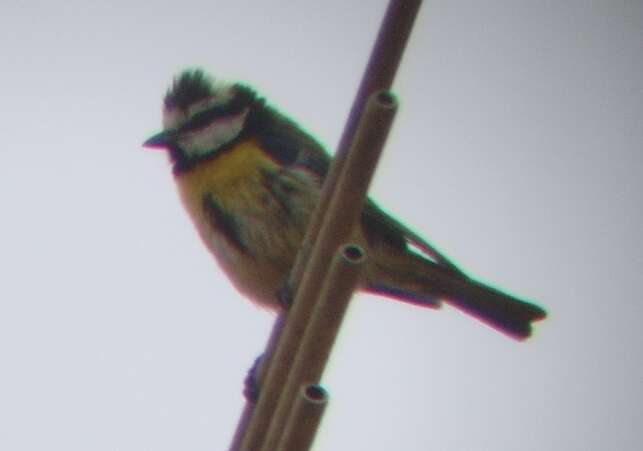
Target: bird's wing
x,y
294,147
290,145
379,225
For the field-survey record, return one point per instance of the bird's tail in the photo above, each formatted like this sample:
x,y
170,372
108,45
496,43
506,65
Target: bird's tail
x,y
413,279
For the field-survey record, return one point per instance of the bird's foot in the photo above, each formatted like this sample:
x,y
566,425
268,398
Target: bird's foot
x,y
251,382
286,296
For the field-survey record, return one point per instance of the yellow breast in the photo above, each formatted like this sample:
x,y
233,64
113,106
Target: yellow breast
x,y
234,180
221,175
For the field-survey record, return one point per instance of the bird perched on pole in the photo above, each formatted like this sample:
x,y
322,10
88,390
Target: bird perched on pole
x,y
250,178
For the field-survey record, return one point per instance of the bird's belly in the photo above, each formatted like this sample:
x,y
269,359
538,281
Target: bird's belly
x,y
267,227
252,277
260,267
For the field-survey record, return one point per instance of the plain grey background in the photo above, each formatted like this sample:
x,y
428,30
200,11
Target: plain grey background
x,y
517,150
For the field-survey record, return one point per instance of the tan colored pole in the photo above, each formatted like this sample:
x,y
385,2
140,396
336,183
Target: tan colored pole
x,y
302,425
319,338
343,213
379,73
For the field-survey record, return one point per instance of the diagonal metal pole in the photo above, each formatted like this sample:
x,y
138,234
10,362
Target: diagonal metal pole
x,y
306,316
380,71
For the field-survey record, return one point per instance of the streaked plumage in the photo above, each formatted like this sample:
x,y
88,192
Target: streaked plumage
x,y
250,177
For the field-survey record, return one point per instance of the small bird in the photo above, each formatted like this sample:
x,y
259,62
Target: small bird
x,y
250,178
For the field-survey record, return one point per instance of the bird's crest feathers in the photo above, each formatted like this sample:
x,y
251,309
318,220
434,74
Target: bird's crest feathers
x,y
190,87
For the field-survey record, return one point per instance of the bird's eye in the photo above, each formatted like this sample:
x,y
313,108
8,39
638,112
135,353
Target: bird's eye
x,y
202,119
206,117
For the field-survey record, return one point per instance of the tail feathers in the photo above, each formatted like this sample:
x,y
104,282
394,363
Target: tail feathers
x,y
410,296
501,311
429,283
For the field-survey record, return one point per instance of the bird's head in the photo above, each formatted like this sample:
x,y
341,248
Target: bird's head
x,y
200,116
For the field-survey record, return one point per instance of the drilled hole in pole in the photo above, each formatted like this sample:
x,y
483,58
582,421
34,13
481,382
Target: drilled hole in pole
x,y
315,393
386,99
353,253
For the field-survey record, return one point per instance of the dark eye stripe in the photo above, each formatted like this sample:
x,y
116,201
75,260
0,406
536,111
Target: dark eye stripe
x,y
206,117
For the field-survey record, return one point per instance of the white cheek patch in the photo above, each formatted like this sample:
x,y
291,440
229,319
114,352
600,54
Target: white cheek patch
x,y
214,136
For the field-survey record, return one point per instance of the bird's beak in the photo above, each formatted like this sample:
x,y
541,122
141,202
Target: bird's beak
x,y
162,140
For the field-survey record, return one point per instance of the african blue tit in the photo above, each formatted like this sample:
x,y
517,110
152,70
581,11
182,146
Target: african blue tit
x,y
250,178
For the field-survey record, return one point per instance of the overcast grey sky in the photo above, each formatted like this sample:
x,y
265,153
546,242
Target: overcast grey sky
x,y
517,150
